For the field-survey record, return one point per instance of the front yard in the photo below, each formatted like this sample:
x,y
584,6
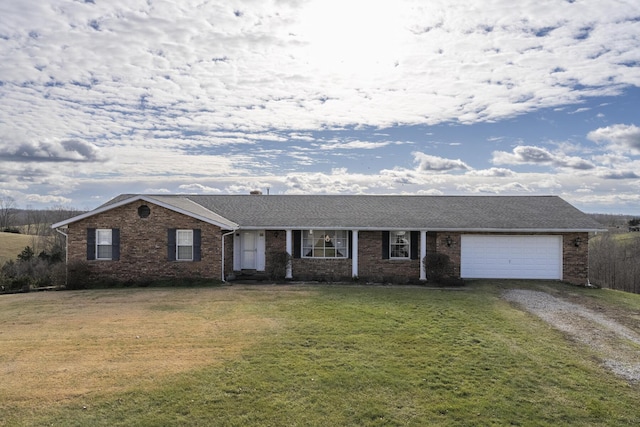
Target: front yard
x,y
286,355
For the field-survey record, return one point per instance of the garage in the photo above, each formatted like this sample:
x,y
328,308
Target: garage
x,y
511,257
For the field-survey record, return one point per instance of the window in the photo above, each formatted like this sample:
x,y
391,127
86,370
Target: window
x,y
144,211
104,244
325,243
184,245
400,244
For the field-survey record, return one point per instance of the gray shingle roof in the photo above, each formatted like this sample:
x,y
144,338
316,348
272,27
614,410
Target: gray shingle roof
x,y
471,213
395,212
187,205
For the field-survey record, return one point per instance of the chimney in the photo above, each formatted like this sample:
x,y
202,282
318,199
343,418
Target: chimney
x,y
256,193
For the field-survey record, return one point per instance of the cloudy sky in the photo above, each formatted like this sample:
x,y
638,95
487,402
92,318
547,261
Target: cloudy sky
x,y
102,97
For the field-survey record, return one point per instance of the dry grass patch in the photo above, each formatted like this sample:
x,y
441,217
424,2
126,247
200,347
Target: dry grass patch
x,y
11,244
60,345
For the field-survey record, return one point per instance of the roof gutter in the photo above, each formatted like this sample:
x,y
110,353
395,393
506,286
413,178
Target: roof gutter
x,y
442,229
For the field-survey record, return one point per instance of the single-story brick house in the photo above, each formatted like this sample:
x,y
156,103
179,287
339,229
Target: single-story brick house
x,y
331,237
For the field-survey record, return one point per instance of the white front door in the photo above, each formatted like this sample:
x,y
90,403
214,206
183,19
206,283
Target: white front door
x,y
249,250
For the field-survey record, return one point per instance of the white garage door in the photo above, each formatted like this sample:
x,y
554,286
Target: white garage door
x,y
511,257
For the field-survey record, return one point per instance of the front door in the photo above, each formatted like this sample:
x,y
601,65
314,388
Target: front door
x,y
249,248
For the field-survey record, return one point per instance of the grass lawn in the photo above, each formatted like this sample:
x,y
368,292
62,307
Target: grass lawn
x,y
301,355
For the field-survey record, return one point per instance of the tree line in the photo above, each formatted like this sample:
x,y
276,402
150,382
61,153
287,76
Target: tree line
x,y
40,264
614,259
29,220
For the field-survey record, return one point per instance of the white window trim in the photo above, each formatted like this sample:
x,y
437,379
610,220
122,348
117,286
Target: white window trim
x,y
320,233
392,236
98,245
178,245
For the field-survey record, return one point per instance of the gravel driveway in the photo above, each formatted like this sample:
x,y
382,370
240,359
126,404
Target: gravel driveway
x,y
616,344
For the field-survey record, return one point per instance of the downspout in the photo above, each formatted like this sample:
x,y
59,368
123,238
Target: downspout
x,y
223,236
588,284
66,255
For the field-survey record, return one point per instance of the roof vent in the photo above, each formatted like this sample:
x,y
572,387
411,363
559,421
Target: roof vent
x,y
256,193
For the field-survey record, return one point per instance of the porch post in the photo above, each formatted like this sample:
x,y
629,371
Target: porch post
x,y
354,254
423,253
289,243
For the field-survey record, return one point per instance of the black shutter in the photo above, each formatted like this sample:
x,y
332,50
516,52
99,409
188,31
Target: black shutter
x,y
115,244
297,243
415,245
350,244
91,243
171,244
385,245
197,239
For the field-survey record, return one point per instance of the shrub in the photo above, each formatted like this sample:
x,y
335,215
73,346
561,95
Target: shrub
x,y
24,275
439,269
21,283
55,256
436,265
77,275
26,254
58,274
277,265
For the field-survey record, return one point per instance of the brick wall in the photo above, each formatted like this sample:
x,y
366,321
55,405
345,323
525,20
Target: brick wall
x,y
373,268
440,245
143,245
275,248
330,269
575,267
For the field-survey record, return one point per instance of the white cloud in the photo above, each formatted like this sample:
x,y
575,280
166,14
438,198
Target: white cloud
x,y
101,96
354,145
302,65
430,163
619,174
199,188
495,188
23,150
580,110
620,137
625,202
524,154
157,190
492,172
48,199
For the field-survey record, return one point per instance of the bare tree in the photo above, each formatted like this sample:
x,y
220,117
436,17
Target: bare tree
x,y
7,212
36,222
57,214
614,262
